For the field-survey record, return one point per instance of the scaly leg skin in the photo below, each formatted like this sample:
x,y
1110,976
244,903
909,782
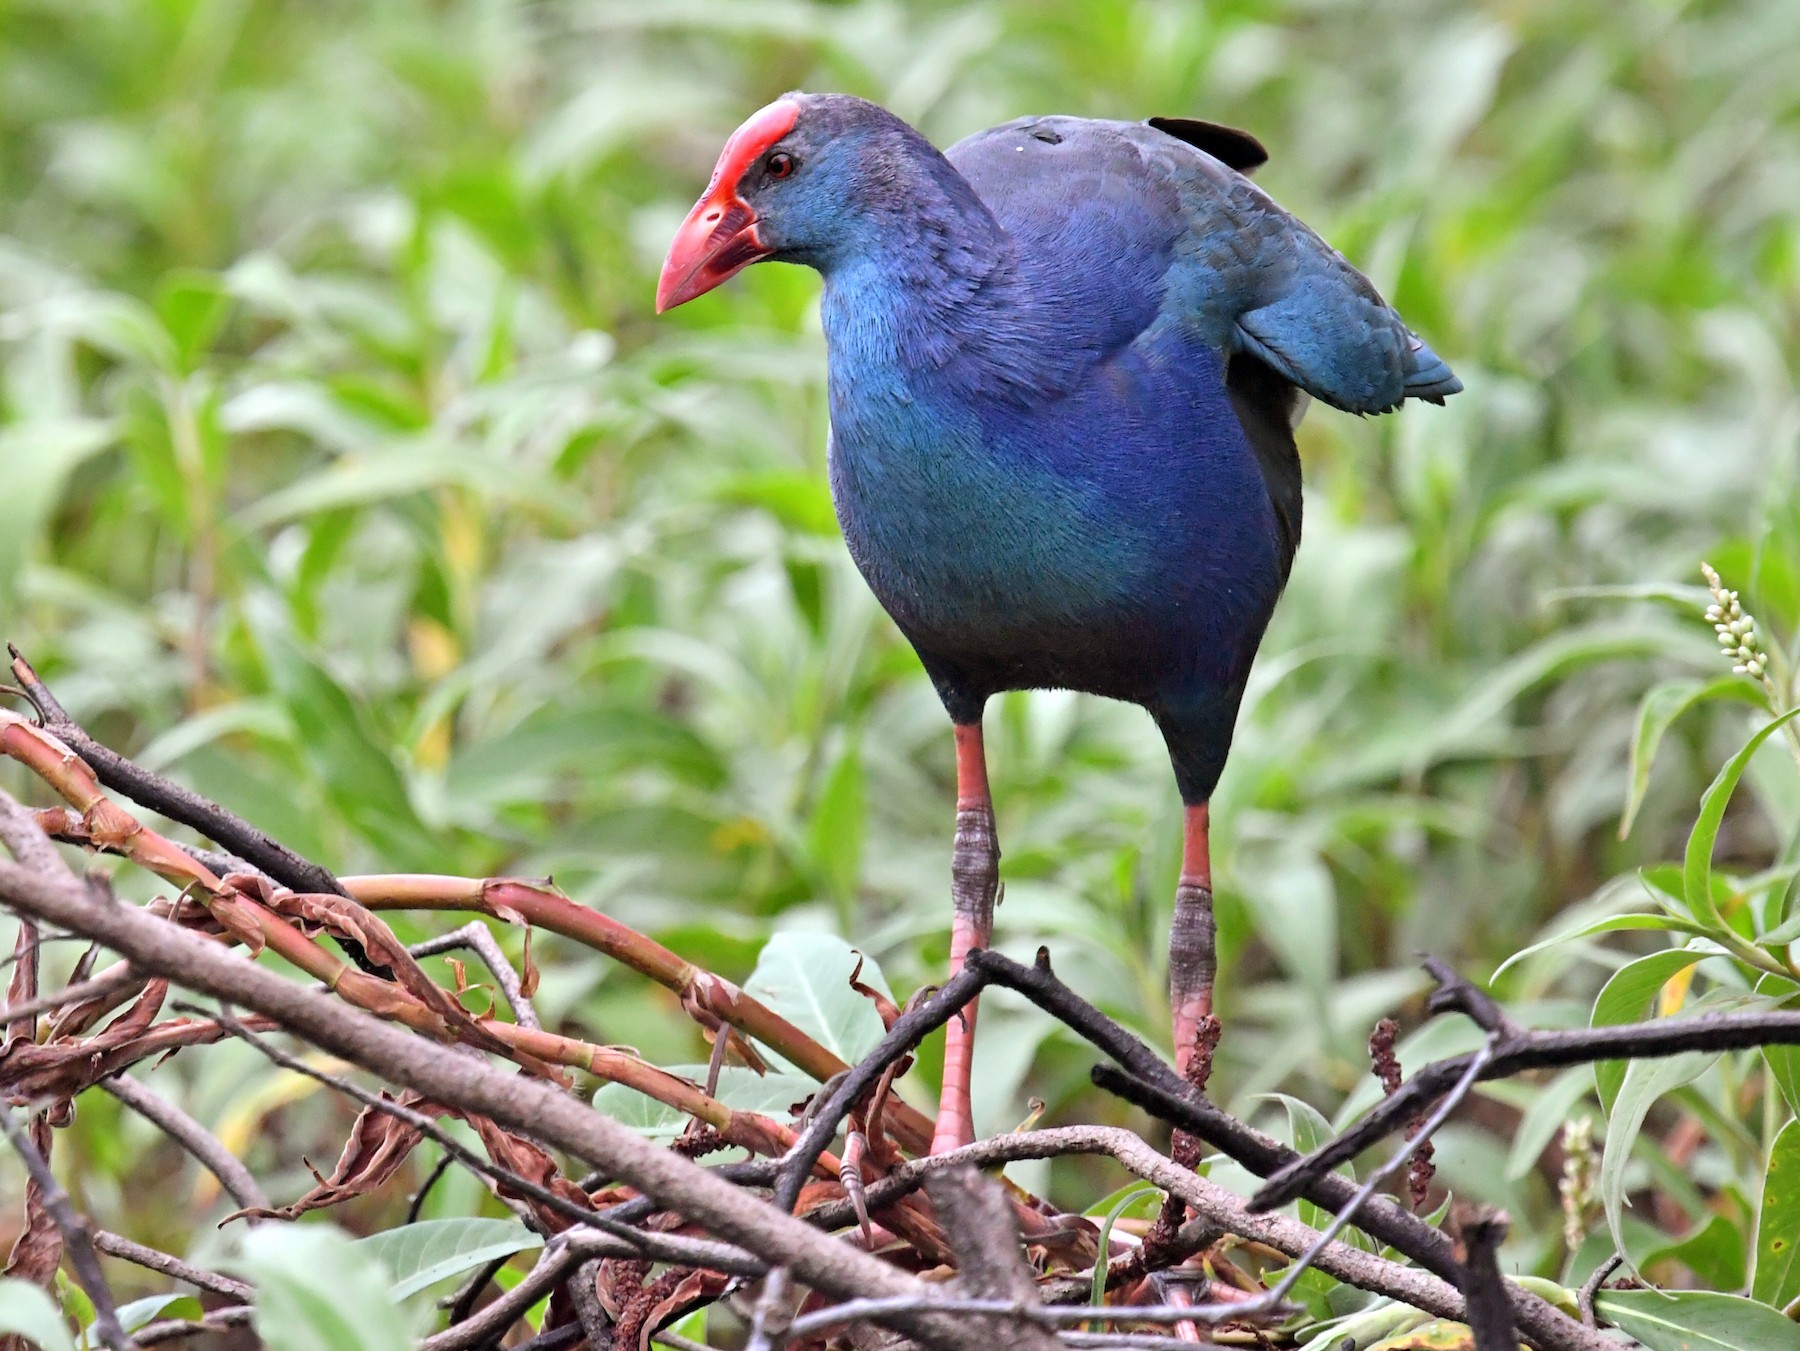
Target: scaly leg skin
x,y
974,884
1193,960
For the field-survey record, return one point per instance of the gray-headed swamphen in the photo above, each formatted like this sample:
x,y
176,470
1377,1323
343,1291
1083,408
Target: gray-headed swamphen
x,y
1066,358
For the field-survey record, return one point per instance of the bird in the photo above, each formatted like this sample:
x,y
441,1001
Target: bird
x,y
1065,361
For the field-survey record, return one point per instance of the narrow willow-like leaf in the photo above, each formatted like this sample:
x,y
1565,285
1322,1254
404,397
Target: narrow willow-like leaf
x,y
1645,1081
1625,998
1659,710
1696,871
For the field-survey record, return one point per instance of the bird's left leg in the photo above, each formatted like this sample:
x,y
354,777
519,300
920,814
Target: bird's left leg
x,y
974,884
1193,959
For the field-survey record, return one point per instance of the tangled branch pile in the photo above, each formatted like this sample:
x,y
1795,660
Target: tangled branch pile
x,y
812,1246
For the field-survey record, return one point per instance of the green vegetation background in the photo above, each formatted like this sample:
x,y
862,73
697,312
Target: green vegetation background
x,y
348,476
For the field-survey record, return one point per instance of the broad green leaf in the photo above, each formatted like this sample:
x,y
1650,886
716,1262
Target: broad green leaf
x,y
316,1290
422,1253
28,1311
1697,1320
1645,1081
805,977
1714,1252
1696,871
1660,708
1627,997
1776,1279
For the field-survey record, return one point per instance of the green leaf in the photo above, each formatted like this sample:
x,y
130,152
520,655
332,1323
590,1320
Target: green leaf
x,y
425,1252
1660,708
1776,1278
316,1290
28,1311
805,977
1136,1196
1626,998
1714,1252
1645,1081
1608,924
1783,1061
142,1312
1307,1130
1697,1320
1696,872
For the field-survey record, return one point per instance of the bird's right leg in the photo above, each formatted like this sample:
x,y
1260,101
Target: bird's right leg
x,y
974,885
1193,959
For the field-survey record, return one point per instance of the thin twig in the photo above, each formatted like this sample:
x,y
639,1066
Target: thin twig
x,y
178,1329
153,1259
479,939
1045,1315
193,1137
1591,1287
76,1237
417,1204
569,1250
907,1032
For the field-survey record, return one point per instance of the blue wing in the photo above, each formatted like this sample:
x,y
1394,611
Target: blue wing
x,y
1139,226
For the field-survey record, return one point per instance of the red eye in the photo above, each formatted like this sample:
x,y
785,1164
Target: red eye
x,y
780,164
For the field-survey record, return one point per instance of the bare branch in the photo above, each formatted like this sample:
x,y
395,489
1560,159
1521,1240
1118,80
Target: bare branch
x,y
193,1137
152,1259
178,1329
477,937
1154,1085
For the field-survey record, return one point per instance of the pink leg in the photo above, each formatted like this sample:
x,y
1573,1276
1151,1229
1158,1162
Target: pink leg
x,y
974,883
1192,959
